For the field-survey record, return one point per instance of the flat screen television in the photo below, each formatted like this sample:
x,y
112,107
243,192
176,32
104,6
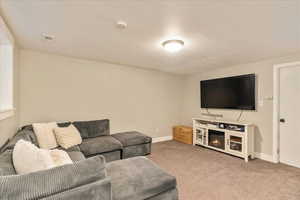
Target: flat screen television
x,y
237,92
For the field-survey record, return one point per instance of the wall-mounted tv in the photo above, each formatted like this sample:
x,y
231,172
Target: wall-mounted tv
x,y
237,92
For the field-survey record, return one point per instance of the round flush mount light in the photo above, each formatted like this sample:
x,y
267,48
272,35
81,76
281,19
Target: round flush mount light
x,y
173,45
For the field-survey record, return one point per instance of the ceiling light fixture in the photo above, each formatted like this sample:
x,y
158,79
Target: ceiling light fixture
x,y
173,45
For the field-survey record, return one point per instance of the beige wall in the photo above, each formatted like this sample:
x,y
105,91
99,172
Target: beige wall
x,y
57,88
262,118
9,126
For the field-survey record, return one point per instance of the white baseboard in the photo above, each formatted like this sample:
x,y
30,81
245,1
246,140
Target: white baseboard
x,y
161,139
287,162
263,156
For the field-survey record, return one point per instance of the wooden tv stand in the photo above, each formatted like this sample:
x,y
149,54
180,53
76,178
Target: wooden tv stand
x,y
232,137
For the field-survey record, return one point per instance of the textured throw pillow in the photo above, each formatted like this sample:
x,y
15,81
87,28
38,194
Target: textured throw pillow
x,y
67,137
45,134
29,158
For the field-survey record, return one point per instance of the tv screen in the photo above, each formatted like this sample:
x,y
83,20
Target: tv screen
x,y
237,92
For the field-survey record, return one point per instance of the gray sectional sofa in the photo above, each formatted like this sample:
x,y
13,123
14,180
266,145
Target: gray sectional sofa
x,y
97,140
106,167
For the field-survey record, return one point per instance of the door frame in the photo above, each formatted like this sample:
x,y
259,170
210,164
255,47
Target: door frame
x,y
276,110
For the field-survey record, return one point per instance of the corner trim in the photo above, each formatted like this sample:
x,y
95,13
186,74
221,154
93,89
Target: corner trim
x,y
6,31
161,139
265,157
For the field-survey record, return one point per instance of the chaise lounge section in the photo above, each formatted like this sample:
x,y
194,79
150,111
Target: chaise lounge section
x,y
91,179
142,178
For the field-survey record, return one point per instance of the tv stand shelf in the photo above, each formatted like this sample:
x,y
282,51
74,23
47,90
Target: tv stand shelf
x,y
235,138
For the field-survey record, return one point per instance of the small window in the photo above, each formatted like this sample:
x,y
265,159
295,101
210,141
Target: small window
x,y
6,71
6,77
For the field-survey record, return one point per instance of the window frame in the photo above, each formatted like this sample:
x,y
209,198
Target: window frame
x,y
6,38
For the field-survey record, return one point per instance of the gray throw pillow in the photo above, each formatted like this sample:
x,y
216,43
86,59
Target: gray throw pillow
x,y
90,129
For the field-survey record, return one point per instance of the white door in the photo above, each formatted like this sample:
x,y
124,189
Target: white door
x,y
289,101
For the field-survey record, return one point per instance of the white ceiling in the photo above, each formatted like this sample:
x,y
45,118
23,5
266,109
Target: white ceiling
x,y
216,33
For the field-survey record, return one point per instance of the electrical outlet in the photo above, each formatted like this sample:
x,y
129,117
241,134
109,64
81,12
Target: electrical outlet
x,y
268,98
261,103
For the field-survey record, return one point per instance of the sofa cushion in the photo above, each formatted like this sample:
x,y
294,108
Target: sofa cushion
x,y
143,179
90,129
112,156
98,190
132,138
73,148
40,184
97,145
136,150
63,124
76,156
6,164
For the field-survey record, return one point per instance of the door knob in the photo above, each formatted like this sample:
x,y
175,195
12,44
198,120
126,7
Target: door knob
x,y
282,120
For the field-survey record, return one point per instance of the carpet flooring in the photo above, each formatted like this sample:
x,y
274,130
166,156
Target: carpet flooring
x,y
204,174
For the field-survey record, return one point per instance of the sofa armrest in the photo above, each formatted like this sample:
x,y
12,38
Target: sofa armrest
x,y
22,134
56,180
99,190
3,147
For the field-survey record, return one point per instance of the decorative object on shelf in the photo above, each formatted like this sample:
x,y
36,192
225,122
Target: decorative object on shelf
x,y
235,138
183,134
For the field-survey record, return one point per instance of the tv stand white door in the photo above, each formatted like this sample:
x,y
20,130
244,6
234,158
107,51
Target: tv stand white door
x,y
289,114
237,143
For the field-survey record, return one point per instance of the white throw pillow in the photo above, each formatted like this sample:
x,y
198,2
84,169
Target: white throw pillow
x,y
67,136
45,135
29,158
